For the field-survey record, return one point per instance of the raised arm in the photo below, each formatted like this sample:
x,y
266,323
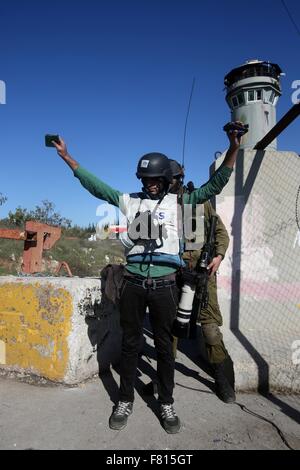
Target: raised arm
x,y
221,176
64,154
234,145
89,181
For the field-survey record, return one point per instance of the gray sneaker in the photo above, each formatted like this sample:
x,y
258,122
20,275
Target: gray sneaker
x,y
169,419
118,419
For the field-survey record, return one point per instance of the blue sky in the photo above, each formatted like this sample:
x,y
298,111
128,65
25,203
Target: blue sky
x,y
114,78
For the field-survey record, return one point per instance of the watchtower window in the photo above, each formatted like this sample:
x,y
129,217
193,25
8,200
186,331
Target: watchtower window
x,y
234,102
255,95
240,98
251,95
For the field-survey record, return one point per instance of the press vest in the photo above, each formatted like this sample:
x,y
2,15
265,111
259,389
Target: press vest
x,y
162,241
156,244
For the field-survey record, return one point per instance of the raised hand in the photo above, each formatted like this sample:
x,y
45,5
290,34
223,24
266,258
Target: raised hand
x,y
61,147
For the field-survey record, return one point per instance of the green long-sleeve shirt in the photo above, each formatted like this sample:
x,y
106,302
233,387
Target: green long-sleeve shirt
x,y
101,190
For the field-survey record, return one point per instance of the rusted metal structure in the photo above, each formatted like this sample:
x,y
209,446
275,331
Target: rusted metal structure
x,y
37,237
64,265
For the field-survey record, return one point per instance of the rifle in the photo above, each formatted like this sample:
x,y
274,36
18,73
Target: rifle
x,y
201,295
194,295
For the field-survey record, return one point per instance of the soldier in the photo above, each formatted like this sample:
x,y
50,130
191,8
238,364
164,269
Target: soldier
x,y
210,318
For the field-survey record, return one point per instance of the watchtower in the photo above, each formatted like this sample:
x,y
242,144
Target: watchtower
x,y
253,90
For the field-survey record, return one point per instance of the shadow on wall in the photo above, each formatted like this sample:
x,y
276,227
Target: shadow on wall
x,y
105,335
244,189
104,330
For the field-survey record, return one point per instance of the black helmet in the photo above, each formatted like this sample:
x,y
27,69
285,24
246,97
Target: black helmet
x,y
177,169
154,165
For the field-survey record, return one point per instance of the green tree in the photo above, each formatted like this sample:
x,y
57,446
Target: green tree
x,y
19,217
44,213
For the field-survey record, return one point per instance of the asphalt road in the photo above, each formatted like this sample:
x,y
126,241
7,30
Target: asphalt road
x,y
38,415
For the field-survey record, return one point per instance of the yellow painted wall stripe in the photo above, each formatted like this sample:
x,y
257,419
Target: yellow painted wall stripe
x,y
35,322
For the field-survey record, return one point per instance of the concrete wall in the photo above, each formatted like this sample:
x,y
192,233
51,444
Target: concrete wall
x,y
51,327
64,330
259,281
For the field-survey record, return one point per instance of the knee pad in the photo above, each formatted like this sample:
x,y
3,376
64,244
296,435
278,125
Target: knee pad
x,y
212,334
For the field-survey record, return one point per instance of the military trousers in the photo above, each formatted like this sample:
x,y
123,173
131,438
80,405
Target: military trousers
x,y
210,319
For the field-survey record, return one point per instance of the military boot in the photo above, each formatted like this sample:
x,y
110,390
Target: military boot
x,y
224,380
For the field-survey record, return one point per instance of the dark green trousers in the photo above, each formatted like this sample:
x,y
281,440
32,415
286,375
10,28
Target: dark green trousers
x,y
210,319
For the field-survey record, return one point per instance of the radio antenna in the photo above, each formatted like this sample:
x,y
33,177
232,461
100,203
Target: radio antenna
x,y
186,121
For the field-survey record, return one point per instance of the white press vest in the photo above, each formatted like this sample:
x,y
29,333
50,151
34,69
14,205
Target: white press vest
x,y
168,214
157,251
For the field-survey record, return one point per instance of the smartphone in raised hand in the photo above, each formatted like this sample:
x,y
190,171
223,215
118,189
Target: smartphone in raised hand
x,y
49,138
